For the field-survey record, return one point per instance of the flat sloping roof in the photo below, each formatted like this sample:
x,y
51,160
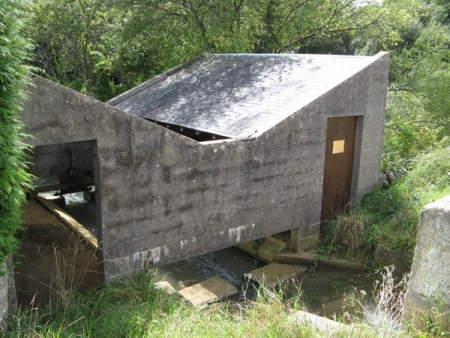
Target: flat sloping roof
x,y
238,95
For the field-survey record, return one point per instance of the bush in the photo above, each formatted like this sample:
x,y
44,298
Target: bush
x,y
13,79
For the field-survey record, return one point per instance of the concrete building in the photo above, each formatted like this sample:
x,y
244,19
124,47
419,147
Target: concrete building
x,y
217,152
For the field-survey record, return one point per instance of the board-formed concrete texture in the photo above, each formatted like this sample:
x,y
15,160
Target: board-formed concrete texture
x,y
429,284
163,197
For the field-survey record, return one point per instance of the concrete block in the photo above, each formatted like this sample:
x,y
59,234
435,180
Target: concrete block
x,y
166,287
321,324
428,293
208,291
299,244
274,274
309,259
264,249
8,299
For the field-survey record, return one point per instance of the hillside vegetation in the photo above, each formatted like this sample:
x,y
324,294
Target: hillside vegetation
x,y
389,217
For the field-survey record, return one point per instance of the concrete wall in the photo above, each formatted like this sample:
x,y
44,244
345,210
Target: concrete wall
x,y
429,284
164,197
7,294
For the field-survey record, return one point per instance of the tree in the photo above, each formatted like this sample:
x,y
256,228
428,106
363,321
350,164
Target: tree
x,y
75,43
101,47
417,33
269,26
14,51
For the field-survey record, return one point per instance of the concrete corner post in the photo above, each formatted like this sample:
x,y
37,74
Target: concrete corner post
x,y
305,238
8,300
428,294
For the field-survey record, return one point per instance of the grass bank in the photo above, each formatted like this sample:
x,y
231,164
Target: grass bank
x,y
390,216
133,307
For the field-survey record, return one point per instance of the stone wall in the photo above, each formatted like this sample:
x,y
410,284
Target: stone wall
x,y
428,291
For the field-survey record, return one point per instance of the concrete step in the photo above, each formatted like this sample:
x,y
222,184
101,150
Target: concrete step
x,y
166,287
208,291
274,274
311,259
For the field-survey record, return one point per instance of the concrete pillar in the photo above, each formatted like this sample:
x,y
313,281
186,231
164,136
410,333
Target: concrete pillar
x,y
305,237
428,294
8,301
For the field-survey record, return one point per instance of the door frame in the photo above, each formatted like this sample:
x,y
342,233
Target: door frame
x,y
356,160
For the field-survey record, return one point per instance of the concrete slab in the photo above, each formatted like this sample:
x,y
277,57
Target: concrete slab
x,y
208,291
321,324
166,287
265,249
310,258
273,274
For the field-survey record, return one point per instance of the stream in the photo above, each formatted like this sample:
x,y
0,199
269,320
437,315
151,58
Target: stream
x,y
322,290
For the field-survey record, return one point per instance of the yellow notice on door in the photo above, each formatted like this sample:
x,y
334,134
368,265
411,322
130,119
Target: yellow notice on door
x,y
338,146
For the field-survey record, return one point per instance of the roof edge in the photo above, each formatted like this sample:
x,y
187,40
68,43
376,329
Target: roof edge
x,y
158,78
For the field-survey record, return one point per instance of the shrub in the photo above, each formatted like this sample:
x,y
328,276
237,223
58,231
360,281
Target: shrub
x,y
13,79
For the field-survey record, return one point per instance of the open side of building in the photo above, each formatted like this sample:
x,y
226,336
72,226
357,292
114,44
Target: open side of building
x,y
278,155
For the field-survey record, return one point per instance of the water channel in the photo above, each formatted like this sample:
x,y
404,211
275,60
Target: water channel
x,y
322,290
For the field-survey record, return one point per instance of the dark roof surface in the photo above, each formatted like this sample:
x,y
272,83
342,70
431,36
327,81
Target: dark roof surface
x,y
238,95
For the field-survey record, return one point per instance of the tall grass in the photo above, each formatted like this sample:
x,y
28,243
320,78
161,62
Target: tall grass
x,y
390,217
134,307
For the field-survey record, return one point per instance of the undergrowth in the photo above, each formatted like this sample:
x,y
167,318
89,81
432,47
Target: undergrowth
x,y
390,216
134,307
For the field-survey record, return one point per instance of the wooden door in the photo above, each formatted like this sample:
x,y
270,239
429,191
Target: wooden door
x,y
337,180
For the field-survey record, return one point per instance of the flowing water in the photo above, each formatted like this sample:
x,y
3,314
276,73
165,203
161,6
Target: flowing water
x,y
322,290
82,210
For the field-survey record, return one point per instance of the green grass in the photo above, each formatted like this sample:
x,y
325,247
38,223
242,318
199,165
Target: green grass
x,y
133,307
390,217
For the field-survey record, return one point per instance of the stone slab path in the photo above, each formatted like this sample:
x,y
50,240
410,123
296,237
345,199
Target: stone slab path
x,y
274,274
208,291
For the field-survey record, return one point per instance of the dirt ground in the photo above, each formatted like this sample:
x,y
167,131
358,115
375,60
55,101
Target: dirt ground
x,y
51,259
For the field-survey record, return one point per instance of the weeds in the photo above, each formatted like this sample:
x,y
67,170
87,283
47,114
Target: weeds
x,y
133,307
348,232
66,277
390,216
385,309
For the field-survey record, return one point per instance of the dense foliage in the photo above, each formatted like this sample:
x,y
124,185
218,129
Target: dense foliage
x,y
102,47
417,33
13,78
